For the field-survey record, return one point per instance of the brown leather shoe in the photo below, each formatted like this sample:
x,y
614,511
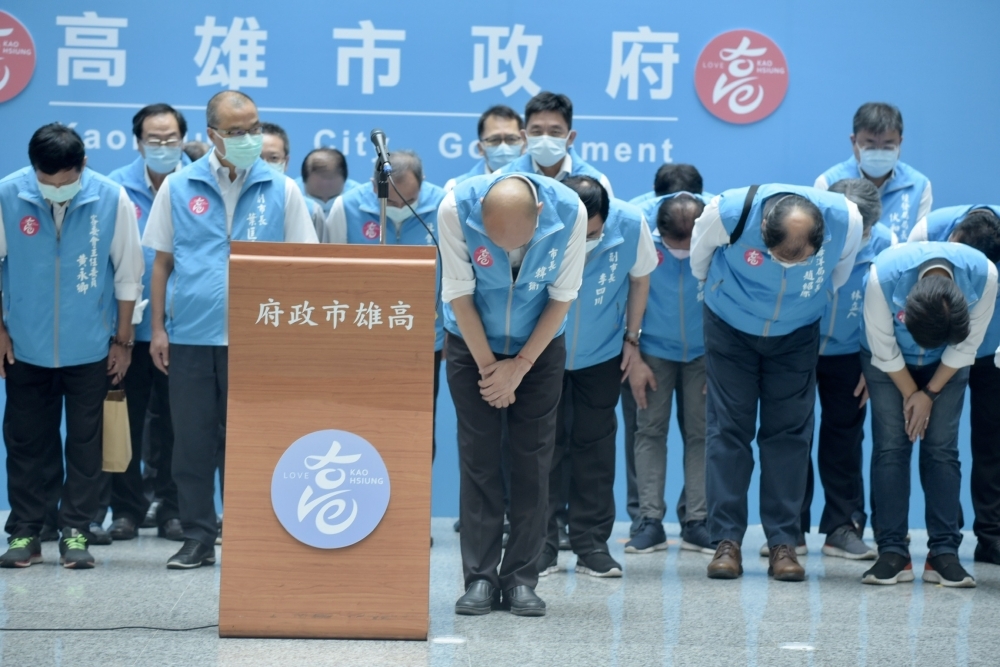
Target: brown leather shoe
x,y
727,563
784,566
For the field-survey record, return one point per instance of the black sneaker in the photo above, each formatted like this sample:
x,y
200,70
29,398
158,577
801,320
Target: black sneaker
x,y
22,552
694,537
651,537
73,554
598,564
49,534
548,562
947,570
988,552
193,554
98,535
889,569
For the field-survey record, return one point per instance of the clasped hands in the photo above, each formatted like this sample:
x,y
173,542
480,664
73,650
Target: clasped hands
x,y
501,379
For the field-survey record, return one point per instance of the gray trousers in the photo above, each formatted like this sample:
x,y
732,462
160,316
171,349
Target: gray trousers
x,y
646,435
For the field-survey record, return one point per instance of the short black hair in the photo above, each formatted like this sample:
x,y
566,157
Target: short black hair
x,y
158,109
936,313
276,130
676,215
593,195
54,148
980,229
671,178
865,196
778,208
546,101
332,153
499,111
212,108
878,118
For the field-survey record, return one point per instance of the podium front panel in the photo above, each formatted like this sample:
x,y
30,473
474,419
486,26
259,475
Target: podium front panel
x,y
327,337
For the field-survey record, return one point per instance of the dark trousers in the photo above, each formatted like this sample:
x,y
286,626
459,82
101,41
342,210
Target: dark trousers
x,y
531,423
984,388
199,385
779,373
158,445
586,427
52,476
35,397
840,458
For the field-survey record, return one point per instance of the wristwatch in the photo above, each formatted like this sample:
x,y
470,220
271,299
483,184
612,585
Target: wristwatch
x,y
931,394
632,338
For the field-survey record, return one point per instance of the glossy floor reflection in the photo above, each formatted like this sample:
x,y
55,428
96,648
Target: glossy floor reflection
x,y
663,612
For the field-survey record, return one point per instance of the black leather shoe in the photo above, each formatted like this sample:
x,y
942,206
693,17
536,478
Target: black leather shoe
x,y
193,554
98,535
522,601
479,599
149,521
171,529
122,529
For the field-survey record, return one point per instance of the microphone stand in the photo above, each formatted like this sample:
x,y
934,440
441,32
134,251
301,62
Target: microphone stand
x,y
384,169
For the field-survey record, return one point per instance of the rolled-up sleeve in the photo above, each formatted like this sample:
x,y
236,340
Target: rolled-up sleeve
x,y
708,234
458,278
879,328
159,234
566,286
646,260
964,354
126,251
299,226
845,265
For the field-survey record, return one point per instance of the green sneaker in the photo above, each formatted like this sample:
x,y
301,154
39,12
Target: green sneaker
x,y
22,552
73,552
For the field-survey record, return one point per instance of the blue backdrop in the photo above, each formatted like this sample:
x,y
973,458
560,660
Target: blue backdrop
x,y
424,71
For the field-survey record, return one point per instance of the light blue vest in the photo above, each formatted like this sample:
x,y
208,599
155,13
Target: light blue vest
x,y
595,325
132,177
361,210
940,224
750,291
580,168
479,169
898,269
840,328
900,194
58,291
672,327
510,308
349,184
198,288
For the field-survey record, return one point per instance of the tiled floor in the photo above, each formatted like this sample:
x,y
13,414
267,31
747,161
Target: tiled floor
x,y
663,612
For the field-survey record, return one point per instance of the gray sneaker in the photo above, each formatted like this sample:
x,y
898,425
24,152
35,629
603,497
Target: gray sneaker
x,y
845,543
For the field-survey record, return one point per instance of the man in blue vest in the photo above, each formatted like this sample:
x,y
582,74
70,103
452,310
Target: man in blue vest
x,y
927,308
769,255
324,177
159,131
549,135
842,394
672,362
602,337
513,248
411,219
670,178
228,194
978,227
878,135
275,151
72,270
500,143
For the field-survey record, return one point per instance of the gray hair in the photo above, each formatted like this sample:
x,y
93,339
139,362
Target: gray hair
x,y
234,97
862,192
404,161
878,118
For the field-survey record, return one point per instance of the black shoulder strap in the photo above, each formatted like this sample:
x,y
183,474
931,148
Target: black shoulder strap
x,y
747,203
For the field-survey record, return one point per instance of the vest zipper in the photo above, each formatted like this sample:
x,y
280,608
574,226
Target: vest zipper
x,y
777,306
833,322
56,312
680,294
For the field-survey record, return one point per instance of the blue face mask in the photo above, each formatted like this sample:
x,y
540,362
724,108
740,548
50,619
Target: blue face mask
x,y
241,152
877,162
162,159
502,155
60,194
547,151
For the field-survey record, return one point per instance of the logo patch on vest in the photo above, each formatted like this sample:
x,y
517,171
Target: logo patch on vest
x,y
198,205
370,230
30,225
138,211
482,257
659,257
753,257
901,316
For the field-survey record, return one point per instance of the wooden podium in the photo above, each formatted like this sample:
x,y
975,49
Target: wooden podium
x,y
293,378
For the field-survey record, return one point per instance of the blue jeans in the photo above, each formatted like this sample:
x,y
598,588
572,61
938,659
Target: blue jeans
x,y
940,471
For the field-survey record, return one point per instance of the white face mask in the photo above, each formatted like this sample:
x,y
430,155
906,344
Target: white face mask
x,y
787,265
678,253
593,243
547,151
877,162
397,214
60,194
277,167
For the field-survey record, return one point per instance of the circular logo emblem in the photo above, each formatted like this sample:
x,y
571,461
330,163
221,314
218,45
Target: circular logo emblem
x,y
198,205
901,316
138,212
753,257
17,57
741,76
370,230
659,257
482,257
330,489
30,225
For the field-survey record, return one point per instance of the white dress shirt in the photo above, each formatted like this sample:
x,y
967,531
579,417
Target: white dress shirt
x,y
881,335
566,169
926,197
709,233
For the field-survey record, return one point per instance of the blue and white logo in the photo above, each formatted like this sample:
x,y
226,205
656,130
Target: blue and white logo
x,y
330,489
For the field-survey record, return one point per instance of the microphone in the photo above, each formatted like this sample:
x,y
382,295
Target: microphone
x,y
378,138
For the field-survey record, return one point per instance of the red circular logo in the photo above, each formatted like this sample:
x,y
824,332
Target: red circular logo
x,y
482,257
138,211
659,257
17,57
29,225
370,230
901,316
741,76
753,257
198,205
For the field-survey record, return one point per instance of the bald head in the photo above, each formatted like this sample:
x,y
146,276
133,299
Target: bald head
x,y
792,228
224,104
510,213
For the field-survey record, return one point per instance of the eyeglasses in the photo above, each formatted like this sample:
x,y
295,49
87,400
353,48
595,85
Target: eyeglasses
x,y
239,132
158,143
497,139
872,145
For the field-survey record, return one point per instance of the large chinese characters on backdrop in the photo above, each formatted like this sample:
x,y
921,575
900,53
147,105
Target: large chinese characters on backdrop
x,y
741,76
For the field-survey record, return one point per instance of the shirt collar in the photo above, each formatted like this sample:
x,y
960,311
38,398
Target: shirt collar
x,y
564,170
149,181
936,264
221,172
